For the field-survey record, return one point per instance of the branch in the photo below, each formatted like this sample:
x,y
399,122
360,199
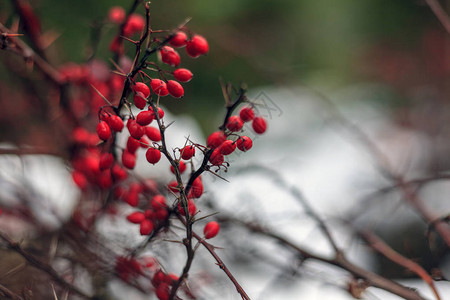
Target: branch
x,y
439,13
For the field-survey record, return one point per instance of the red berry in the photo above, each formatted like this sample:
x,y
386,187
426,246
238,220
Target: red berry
x,y
175,89
146,227
116,14
170,56
153,133
235,123
116,123
106,161
227,147
259,125
118,173
162,291
187,152
159,87
215,139
244,143
128,159
143,88
132,144
179,39
191,208
181,167
80,180
211,229
247,114
132,198
216,157
136,130
144,118
197,188
160,112
153,155
158,201
197,46
173,186
103,130
144,142
134,24
139,100
183,75
136,217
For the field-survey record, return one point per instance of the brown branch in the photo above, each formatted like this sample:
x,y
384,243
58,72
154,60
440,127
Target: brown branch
x,y
339,260
379,245
35,262
4,291
440,13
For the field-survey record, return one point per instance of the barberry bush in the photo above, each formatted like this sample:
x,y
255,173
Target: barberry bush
x,y
150,235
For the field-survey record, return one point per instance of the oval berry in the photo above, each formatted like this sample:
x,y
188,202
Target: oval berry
x,y
158,201
227,147
183,75
259,125
235,123
181,167
143,88
247,114
146,227
160,112
191,208
159,87
136,217
170,56
144,118
106,161
153,155
116,123
211,229
197,46
244,143
103,130
175,89
215,139
132,144
139,100
128,159
187,152
197,188
80,180
116,14
135,130
216,158
179,39
153,133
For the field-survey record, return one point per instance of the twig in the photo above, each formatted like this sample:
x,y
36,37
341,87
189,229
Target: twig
x,y
8,293
439,13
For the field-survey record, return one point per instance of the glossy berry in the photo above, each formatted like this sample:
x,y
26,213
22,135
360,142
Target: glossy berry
x,y
259,125
118,173
128,159
197,188
132,144
247,114
132,198
159,87
144,118
170,56
235,123
106,161
187,152
158,201
136,217
179,39
153,155
103,130
227,147
160,112
143,88
134,24
146,227
153,133
173,186
197,46
80,180
163,291
211,229
181,167
182,75
116,123
215,139
216,158
139,100
244,143
135,130
116,14
175,89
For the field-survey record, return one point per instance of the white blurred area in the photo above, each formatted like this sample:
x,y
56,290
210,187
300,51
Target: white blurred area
x,y
332,169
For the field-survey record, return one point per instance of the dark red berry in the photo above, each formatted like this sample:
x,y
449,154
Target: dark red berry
x,y
215,139
136,130
227,147
175,89
132,144
139,100
136,217
182,75
128,159
179,39
216,157
197,46
144,118
247,114
153,155
146,227
259,125
191,208
170,56
234,123
153,133
244,143
103,130
181,167
116,123
159,87
106,161
187,152
197,188
143,88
